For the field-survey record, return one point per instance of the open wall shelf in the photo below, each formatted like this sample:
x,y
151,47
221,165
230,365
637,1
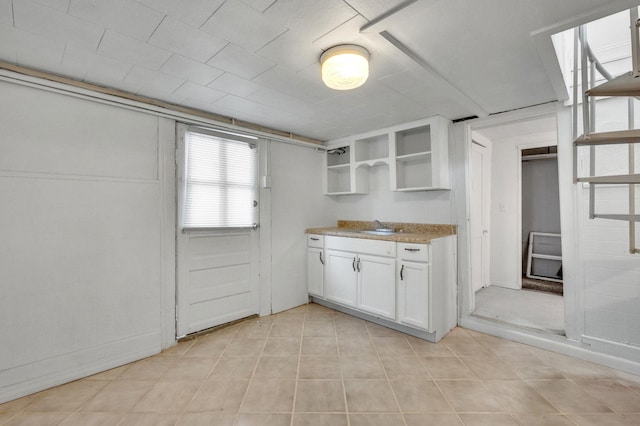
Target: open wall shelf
x,y
416,154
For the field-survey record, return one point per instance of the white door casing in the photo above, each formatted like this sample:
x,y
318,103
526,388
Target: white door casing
x,y
479,223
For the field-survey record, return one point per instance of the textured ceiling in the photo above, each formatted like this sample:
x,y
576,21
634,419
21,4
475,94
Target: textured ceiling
x,y
258,60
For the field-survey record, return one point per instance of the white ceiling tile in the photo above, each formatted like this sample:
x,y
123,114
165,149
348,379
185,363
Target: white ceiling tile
x,y
194,91
124,16
6,12
151,81
282,102
294,84
291,51
243,26
188,69
259,5
371,9
240,62
191,12
131,51
56,25
232,84
30,50
187,41
313,18
248,110
62,5
96,66
9,45
347,33
239,104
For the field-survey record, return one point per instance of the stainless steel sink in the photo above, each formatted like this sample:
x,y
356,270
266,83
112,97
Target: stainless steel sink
x,y
381,231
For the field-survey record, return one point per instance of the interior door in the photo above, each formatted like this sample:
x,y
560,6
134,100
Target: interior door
x,y
217,269
479,216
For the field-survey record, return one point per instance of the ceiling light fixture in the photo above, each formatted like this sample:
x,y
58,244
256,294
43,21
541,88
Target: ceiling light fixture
x,y
345,67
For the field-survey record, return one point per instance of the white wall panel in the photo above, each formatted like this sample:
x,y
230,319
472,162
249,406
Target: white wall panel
x,y
297,204
44,132
81,253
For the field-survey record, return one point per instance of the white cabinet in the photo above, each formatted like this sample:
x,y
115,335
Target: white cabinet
x,y
362,281
315,265
414,297
376,285
405,284
421,156
416,154
360,273
341,277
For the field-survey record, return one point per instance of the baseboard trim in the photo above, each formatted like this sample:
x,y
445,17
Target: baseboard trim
x,y
431,337
585,350
26,379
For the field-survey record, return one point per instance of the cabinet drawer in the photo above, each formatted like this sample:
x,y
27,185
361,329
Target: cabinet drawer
x,y
413,252
362,245
316,241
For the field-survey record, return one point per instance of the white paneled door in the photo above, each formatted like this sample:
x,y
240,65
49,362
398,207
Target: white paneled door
x,y
217,268
217,278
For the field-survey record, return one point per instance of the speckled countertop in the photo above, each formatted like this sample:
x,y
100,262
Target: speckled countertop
x,y
421,233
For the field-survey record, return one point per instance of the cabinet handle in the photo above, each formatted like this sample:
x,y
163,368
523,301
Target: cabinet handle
x,y
412,249
353,264
358,264
402,273
321,259
314,239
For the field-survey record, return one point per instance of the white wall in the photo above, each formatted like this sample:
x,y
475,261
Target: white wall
x,y
297,203
87,254
84,237
387,206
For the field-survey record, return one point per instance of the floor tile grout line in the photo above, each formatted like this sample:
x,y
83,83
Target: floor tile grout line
x,y
202,381
344,388
386,375
255,367
295,387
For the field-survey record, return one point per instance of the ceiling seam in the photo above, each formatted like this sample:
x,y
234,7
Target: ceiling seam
x,y
470,103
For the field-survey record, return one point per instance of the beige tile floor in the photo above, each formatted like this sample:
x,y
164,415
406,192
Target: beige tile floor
x,y
314,366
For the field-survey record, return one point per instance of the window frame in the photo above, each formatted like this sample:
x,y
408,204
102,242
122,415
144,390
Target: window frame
x,y
182,173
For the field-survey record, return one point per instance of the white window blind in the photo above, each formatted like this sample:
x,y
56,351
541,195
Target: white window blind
x,y
220,182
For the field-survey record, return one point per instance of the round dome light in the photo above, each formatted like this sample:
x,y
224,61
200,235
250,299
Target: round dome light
x,y
345,67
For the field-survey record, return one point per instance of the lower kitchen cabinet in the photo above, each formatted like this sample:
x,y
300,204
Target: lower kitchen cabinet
x,y
341,279
376,285
401,284
315,271
413,294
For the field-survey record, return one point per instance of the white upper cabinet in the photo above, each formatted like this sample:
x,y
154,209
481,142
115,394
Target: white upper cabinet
x,y
416,153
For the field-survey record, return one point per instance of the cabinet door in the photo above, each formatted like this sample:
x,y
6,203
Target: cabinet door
x,y
413,294
341,277
377,285
315,271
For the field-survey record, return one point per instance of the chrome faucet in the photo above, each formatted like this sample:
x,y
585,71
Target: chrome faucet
x,y
380,224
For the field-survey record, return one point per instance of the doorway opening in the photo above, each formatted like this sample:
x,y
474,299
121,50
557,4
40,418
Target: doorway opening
x,y
541,235
516,265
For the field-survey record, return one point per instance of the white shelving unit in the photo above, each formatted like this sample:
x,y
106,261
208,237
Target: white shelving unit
x,y
416,154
